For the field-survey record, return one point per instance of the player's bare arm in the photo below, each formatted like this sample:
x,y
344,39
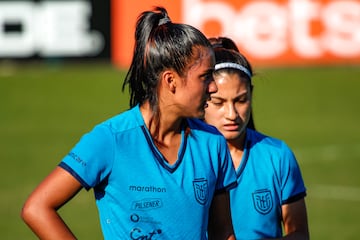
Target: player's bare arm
x,y
295,221
220,226
40,210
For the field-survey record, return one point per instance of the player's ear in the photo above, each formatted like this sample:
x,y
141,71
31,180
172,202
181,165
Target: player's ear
x,y
169,80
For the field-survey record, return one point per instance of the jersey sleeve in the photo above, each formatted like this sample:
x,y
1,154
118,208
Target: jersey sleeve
x,y
293,187
227,174
90,160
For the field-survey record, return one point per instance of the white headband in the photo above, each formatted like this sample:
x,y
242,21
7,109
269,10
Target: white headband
x,y
233,65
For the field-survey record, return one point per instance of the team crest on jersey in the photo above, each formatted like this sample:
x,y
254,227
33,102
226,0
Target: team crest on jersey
x,y
263,201
201,190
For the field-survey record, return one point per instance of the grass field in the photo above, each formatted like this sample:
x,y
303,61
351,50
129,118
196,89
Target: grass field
x,y
45,108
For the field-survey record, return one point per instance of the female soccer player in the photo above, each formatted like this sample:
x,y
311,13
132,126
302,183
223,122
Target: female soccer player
x,y
156,170
270,191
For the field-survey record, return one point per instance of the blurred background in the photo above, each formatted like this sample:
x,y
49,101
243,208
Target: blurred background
x,y
62,65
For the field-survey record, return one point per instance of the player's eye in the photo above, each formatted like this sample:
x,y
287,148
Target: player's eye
x,y
216,102
242,100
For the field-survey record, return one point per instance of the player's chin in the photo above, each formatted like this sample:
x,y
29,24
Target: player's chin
x,y
200,114
230,136
203,107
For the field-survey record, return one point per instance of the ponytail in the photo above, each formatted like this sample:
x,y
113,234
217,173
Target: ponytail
x,y
159,44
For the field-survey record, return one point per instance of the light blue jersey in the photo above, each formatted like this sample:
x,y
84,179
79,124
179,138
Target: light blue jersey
x,y
268,177
138,194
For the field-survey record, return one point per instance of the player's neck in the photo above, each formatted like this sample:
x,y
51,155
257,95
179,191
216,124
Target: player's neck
x,y
162,126
236,148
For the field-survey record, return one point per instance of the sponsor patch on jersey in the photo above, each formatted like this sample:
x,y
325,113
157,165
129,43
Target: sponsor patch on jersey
x,y
263,201
77,159
201,190
147,204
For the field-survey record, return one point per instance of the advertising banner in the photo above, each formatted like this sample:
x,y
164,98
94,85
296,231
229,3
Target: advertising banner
x,y
54,29
269,33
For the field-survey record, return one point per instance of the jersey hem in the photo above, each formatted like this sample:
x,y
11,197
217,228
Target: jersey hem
x,y
295,198
74,174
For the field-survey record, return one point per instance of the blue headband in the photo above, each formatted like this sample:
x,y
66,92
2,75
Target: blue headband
x,y
234,66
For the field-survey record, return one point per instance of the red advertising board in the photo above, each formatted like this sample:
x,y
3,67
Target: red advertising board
x,y
269,33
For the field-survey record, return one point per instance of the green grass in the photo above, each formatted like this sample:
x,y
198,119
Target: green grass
x,y
46,108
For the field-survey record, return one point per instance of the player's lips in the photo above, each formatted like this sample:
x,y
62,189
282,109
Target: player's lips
x,y
231,127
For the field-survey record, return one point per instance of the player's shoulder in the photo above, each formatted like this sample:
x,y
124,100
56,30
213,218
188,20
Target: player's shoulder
x,y
124,121
265,141
198,125
271,150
